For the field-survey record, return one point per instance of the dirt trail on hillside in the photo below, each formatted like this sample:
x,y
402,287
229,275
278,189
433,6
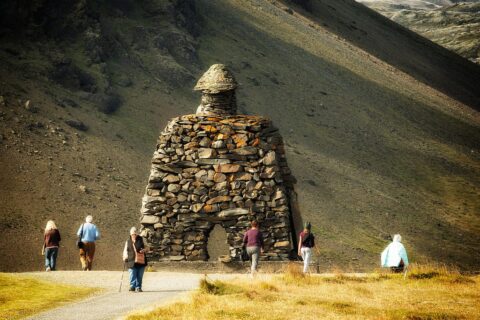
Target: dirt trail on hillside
x,y
159,288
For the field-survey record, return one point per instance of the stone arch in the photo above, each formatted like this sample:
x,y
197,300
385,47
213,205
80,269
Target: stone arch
x,y
218,243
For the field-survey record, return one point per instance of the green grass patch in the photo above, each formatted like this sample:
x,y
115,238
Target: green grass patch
x,y
23,296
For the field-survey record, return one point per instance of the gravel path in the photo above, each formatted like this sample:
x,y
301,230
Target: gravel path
x,y
159,288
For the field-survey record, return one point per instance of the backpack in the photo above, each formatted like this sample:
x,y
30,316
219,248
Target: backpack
x,y
309,241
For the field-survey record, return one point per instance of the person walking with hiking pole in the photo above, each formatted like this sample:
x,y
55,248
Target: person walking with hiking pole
x,y
134,257
306,243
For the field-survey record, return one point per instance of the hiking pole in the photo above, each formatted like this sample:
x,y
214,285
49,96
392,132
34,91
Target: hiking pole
x,y
121,279
317,258
405,274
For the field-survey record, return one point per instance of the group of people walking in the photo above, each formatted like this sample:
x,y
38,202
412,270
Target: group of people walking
x,y
253,244
88,233
394,256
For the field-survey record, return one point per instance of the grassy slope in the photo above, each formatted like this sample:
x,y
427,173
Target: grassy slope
x,y
292,296
22,296
374,151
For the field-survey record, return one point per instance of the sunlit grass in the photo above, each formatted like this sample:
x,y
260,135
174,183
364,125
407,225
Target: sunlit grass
x,y
22,296
425,293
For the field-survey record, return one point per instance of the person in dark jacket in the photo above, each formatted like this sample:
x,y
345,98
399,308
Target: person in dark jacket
x,y
253,240
51,243
306,242
132,255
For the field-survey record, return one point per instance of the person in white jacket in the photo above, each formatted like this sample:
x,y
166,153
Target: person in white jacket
x,y
395,256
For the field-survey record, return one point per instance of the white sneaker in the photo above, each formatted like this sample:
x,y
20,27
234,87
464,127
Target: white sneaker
x,y
48,269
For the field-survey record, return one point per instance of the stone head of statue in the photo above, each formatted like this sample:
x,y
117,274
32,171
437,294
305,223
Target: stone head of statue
x,y
218,86
218,78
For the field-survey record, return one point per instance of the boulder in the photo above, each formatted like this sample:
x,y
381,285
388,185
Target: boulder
x,y
232,213
245,151
282,244
174,187
270,158
196,207
227,168
219,177
171,178
203,162
206,153
219,199
148,219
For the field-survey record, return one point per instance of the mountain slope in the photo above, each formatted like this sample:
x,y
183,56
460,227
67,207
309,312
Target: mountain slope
x,y
374,150
454,26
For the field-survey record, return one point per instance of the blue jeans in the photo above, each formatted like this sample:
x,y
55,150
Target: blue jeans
x,y
136,276
51,258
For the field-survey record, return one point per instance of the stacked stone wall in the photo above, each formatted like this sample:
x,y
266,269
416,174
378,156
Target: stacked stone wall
x,y
207,170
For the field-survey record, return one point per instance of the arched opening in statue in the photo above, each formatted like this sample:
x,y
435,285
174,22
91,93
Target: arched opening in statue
x,y
217,244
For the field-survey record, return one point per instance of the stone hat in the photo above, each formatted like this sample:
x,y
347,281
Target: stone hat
x,y
218,78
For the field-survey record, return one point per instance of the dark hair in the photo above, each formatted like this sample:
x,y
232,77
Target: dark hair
x,y
254,223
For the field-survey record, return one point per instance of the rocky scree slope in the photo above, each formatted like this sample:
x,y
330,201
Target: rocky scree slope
x,y
372,115
76,136
453,25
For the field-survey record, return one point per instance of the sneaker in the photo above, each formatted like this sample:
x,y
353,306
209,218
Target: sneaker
x,y
138,290
48,269
131,289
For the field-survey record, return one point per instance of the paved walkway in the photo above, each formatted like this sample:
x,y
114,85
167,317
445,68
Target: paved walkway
x,y
159,288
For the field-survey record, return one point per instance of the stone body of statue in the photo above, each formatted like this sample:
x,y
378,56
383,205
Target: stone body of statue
x,y
217,167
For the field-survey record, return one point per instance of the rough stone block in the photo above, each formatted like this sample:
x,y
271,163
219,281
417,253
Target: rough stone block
x,y
227,168
148,219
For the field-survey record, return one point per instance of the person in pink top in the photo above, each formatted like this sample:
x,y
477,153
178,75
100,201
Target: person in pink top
x,y
253,240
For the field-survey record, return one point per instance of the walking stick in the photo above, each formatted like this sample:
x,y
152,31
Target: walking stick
x,y
405,274
121,280
317,258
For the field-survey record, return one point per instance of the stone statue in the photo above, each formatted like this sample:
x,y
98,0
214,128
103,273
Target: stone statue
x,y
217,167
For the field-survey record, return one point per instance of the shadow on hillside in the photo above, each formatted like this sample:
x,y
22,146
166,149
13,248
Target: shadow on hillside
x,y
393,124
406,50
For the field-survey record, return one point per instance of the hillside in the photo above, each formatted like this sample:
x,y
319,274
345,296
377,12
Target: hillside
x,y
379,123
455,26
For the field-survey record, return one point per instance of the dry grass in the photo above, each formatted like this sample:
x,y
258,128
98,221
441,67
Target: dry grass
x,y
22,296
427,293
